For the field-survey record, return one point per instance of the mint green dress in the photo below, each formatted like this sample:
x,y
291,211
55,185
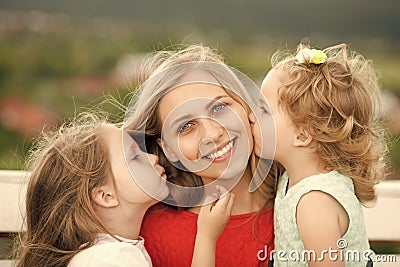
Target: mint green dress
x,y
289,249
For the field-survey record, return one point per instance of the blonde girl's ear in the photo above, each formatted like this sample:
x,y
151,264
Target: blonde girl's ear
x,y
167,151
303,138
105,196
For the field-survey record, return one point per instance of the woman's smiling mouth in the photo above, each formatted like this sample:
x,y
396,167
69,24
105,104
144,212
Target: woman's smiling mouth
x,y
222,153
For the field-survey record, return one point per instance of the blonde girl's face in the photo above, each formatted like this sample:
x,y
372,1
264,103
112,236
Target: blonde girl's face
x,y
138,176
272,114
206,130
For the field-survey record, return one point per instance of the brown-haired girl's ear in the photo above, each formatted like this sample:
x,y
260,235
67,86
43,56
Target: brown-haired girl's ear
x,y
303,138
105,196
168,153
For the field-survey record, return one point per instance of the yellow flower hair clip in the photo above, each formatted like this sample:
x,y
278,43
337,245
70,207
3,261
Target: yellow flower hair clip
x,y
311,56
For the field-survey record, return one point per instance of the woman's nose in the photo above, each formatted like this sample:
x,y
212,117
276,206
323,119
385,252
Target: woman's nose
x,y
212,129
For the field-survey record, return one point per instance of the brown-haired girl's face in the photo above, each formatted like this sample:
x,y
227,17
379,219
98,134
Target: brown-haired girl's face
x,y
138,176
206,130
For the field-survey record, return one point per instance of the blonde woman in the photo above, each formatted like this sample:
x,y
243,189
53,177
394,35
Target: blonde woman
x,y
192,111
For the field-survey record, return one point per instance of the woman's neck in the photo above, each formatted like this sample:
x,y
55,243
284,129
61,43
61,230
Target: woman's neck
x,y
245,202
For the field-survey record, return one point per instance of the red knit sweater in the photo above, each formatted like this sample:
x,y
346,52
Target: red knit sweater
x,y
170,235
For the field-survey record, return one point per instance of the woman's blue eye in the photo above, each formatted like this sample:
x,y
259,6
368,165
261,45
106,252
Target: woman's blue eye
x,y
135,157
219,107
184,127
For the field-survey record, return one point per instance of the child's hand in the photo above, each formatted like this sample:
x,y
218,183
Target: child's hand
x,y
211,222
214,216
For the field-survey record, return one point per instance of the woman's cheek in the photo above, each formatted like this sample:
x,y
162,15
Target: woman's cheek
x,y
187,148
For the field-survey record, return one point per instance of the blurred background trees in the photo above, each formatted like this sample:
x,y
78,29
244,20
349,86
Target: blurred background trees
x,y
59,56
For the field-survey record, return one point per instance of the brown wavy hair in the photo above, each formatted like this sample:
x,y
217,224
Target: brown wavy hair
x,y
339,103
65,167
174,64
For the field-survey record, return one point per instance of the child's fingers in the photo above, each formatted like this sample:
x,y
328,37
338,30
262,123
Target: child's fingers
x,y
209,202
223,201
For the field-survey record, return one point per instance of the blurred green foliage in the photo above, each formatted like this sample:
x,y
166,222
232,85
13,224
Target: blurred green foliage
x,y
43,54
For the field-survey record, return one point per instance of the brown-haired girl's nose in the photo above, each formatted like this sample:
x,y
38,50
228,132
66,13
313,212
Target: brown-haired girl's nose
x,y
153,159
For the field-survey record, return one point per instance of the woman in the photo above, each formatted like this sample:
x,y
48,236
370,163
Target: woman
x,y
193,113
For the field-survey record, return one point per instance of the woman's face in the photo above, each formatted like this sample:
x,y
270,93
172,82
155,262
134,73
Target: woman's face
x,y
206,130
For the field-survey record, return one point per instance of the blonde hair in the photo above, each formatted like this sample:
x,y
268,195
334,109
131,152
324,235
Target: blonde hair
x,y
173,65
65,167
338,102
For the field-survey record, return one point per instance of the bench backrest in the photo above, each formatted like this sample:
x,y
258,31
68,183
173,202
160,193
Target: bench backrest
x,y
382,220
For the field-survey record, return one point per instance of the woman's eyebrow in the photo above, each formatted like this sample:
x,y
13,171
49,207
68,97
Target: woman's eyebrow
x,y
181,118
215,99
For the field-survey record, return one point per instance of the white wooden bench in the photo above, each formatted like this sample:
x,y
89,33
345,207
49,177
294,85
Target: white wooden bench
x,y
12,195
382,220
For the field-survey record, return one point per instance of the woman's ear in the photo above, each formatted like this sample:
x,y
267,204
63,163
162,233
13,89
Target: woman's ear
x,y
303,137
105,196
168,153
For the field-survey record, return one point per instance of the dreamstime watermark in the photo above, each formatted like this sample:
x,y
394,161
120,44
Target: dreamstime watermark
x,y
341,254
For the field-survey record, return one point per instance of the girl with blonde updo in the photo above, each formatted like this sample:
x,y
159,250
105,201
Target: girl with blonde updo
x,y
326,110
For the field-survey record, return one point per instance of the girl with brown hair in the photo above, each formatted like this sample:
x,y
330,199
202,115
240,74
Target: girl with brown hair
x,y
86,199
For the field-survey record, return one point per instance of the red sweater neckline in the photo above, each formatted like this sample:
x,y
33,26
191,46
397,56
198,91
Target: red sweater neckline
x,y
233,217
